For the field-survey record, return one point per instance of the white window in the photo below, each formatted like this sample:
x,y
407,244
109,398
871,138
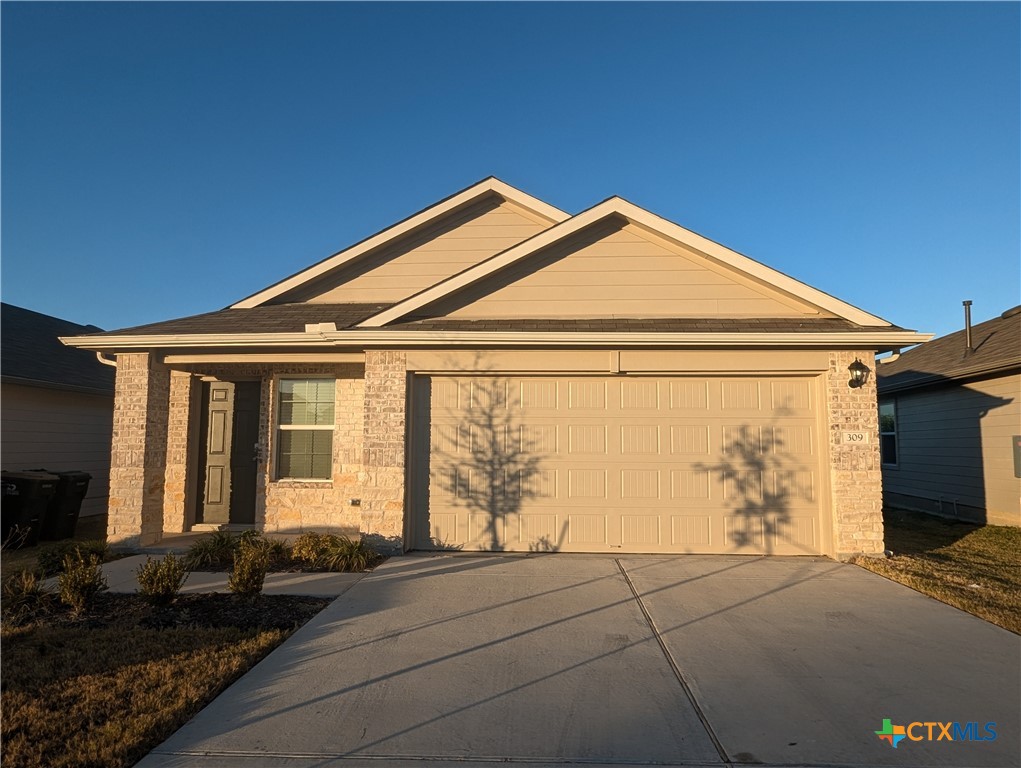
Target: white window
x,y
305,421
888,433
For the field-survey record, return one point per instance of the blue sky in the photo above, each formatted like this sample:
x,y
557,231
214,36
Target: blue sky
x,y
160,160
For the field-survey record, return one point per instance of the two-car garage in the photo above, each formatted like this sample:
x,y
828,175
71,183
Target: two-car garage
x,y
622,463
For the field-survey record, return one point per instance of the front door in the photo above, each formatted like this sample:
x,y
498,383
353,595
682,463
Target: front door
x,y
231,431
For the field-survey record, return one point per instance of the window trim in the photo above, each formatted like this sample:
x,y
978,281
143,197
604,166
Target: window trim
x,y
275,476
894,433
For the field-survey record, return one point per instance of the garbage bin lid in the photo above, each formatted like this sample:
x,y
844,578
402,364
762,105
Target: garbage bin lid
x,y
29,474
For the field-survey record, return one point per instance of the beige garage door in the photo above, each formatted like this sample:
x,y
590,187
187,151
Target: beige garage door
x,y
694,464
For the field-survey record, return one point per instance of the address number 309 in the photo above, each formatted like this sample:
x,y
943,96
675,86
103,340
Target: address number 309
x,y
856,437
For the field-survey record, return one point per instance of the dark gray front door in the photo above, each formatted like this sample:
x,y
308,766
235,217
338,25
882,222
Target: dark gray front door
x,y
231,428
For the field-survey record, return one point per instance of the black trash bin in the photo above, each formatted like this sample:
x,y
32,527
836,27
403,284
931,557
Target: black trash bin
x,y
25,500
65,505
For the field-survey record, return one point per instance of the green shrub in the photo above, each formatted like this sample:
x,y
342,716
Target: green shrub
x,y
81,581
251,561
23,597
344,554
51,559
276,550
213,551
309,548
159,581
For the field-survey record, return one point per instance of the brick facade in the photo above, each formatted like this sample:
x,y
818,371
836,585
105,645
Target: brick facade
x,y
856,483
140,415
384,445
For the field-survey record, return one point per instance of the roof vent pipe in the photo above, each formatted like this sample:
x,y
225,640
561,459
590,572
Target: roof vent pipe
x,y
967,326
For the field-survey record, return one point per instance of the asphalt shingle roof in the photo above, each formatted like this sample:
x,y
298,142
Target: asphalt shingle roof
x,y
31,352
996,347
292,318
273,318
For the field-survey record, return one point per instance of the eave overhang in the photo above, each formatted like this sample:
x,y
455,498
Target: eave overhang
x,y
367,338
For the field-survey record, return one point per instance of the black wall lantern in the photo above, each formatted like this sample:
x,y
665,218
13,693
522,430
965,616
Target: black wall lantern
x,y
859,374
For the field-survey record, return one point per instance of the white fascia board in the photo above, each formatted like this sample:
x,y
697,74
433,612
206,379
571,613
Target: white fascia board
x,y
630,211
404,338
434,212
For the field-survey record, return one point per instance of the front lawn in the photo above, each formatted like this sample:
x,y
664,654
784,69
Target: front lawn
x,y
972,567
104,689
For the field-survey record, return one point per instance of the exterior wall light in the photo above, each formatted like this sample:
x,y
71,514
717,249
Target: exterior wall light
x,y
859,374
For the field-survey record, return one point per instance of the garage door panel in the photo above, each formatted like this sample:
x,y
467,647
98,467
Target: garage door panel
x,y
638,464
691,531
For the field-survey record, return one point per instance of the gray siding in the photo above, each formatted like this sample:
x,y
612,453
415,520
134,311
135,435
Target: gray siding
x,y
59,430
954,444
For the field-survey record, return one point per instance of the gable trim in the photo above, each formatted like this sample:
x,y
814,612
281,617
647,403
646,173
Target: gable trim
x,y
643,218
486,187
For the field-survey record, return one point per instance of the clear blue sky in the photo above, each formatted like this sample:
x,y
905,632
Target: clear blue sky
x,y
160,160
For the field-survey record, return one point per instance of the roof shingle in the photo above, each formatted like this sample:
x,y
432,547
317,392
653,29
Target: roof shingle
x,y
996,347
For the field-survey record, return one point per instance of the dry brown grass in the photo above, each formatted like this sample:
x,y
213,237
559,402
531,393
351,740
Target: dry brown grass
x,y
110,699
91,528
971,567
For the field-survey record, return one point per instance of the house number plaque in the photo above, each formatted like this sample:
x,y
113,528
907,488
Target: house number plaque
x,y
856,438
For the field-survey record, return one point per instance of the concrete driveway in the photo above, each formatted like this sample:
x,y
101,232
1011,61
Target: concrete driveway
x,y
555,659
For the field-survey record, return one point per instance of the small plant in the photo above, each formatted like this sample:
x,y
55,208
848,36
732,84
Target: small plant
x,y
310,547
81,581
23,597
51,559
276,549
251,561
159,581
16,537
344,554
216,551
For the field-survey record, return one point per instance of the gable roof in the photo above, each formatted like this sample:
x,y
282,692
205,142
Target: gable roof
x,y
488,187
618,207
31,353
996,348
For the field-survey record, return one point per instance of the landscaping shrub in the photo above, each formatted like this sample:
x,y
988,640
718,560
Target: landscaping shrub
x,y
251,561
309,548
276,550
81,581
329,552
23,597
159,581
216,551
344,554
51,559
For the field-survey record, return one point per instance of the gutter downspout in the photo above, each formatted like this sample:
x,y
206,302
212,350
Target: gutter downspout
x,y
105,360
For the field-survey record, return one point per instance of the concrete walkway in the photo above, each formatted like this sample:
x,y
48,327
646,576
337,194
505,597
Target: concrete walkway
x,y
553,660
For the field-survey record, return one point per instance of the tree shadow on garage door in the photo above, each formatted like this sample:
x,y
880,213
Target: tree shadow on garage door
x,y
486,463
769,492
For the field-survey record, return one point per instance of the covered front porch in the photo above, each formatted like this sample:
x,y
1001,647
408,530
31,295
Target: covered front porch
x,y
265,441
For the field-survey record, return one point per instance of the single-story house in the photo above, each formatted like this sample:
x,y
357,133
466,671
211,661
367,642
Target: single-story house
x,y
57,403
493,373
950,423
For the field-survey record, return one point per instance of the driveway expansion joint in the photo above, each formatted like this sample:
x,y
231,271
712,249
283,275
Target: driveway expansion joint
x,y
674,666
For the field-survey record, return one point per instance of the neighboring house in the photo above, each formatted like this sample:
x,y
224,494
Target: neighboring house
x,y
56,403
951,420
492,373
